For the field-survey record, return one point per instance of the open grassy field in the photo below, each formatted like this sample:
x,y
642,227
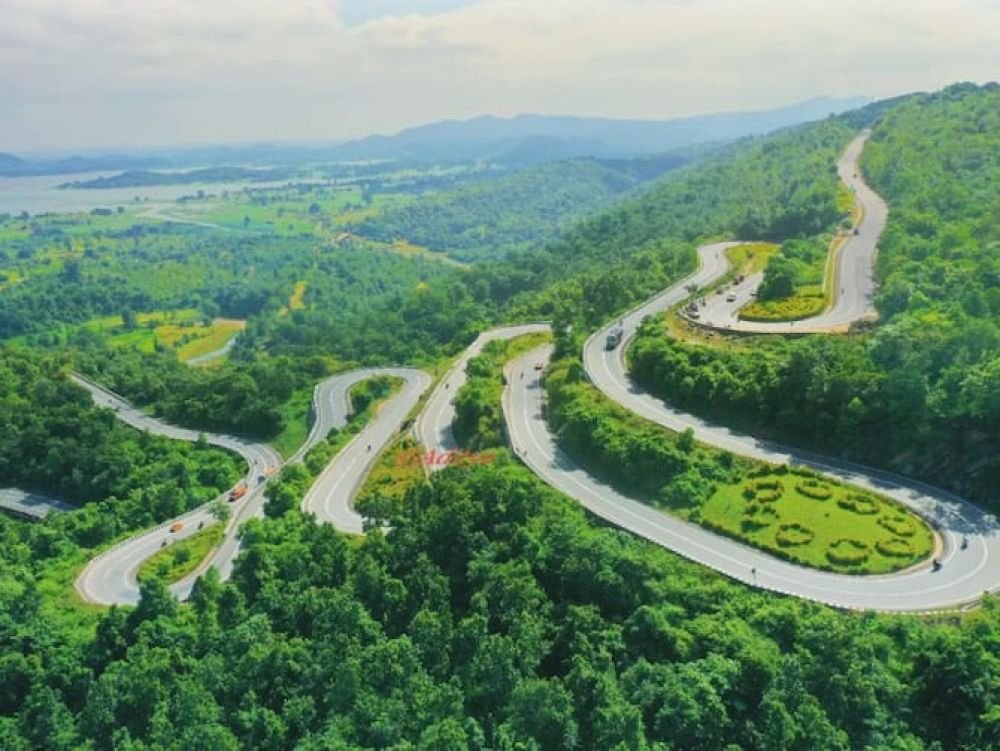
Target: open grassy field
x,y
749,258
281,211
206,338
397,469
180,330
178,560
814,521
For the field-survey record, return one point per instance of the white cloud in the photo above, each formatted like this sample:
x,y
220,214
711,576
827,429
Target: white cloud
x,y
124,72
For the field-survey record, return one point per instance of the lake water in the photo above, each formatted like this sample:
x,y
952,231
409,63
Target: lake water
x,y
40,195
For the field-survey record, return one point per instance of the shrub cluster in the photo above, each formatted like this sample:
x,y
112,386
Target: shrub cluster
x,y
793,534
859,504
898,525
894,547
847,552
757,516
767,491
812,488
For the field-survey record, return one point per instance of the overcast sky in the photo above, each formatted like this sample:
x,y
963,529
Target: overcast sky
x,y
105,73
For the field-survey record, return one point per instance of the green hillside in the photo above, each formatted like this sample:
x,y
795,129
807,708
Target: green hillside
x,y
518,212
919,394
485,610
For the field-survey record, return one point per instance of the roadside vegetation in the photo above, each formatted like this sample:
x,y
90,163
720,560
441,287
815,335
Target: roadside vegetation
x,y
287,490
478,423
179,559
918,394
799,279
517,621
792,513
795,284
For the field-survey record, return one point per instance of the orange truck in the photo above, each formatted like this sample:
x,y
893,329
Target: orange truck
x,y
238,492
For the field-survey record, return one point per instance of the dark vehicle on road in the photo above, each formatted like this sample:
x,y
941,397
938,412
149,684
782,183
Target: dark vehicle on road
x,y
614,338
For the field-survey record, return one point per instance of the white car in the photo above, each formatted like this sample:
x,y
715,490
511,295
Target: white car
x,y
731,297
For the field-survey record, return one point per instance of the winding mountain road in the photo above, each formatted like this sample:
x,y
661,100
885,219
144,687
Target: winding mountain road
x,y
854,286
966,574
433,427
110,578
331,497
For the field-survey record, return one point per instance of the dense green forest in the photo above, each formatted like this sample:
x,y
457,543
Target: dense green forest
x,y
237,396
920,394
781,186
494,616
53,438
517,212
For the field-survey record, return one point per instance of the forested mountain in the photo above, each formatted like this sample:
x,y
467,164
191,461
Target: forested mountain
x,y
524,139
10,162
918,395
518,212
495,613
780,186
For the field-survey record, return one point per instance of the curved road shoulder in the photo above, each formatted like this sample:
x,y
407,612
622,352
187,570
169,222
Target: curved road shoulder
x,y
111,577
331,497
433,426
854,287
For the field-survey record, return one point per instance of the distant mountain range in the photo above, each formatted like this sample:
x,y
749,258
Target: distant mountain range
x,y
524,139
527,137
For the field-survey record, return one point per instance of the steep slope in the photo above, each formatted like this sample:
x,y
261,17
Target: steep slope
x,y
919,394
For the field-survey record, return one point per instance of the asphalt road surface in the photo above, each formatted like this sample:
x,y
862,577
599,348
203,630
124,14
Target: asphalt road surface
x,y
855,287
110,578
433,426
965,575
331,497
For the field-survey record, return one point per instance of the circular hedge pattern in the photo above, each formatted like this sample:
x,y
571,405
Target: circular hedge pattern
x,y
847,552
813,488
859,504
790,535
756,516
894,548
763,491
898,525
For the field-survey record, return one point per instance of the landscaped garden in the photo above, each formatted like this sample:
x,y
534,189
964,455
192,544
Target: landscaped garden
x,y
803,517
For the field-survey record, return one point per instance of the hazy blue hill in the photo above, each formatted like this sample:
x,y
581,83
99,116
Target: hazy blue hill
x,y
520,140
497,137
143,178
9,161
